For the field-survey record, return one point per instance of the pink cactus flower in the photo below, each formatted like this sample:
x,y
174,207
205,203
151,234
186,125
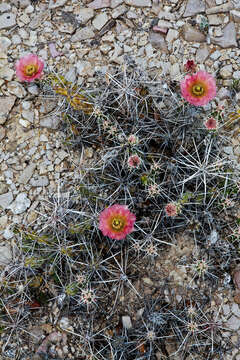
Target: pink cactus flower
x,y
134,161
116,222
198,89
29,68
171,209
211,124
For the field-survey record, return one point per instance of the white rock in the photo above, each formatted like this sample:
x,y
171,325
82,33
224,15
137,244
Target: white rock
x,y
220,9
6,199
192,34
8,234
214,20
16,39
100,4
233,323
215,55
50,122
83,34
27,174
84,68
33,89
4,7
236,15
6,73
39,181
100,20
7,20
226,71
53,4
120,10
139,3
6,104
24,123
4,43
224,93
194,7
202,53
115,3
5,254
28,115
20,204
84,15
16,89
172,35
175,72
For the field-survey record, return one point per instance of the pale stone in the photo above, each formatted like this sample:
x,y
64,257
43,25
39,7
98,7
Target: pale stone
x,y
3,221
27,174
215,55
126,322
220,9
233,323
6,199
175,72
228,39
158,41
202,53
20,204
5,7
84,15
39,181
192,34
115,3
139,3
83,34
120,10
53,4
5,254
194,7
226,71
166,15
172,35
84,68
236,15
214,20
4,43
16,89
38,19
164,24
50,122
224,93
100,20
99,4
6,73
6,104
7,20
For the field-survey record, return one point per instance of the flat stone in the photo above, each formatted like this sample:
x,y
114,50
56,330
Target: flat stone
x,y
172,35
235,309
16,89
28,115
193,35
202,53
99,4
214,20
194,7
215,55
53,4
220,8
4,7
50,122
6,73
5,254
84,68
115,3
236,15
224,93
175,71
233,323
39,181
20,204
38,19
84,15
228,39
4,43
226,309
100,20
120,10
6,199
27,174
3,187
158,42
6,104
166,15
2,133
126,322
7,20
83,34
226,71
139,3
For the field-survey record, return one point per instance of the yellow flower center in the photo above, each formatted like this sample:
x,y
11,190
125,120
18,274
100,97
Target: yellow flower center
x,y
30,70
198,90
117,224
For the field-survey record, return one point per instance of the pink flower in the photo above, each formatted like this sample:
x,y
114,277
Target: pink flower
x,y
116,222
133,139
211,124
171,209
134,161
198,89
29,68
190,66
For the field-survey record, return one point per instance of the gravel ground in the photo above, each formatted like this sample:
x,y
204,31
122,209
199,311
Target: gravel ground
x,y
81,38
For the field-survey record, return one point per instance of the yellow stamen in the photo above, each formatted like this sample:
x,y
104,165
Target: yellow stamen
x,y
198,90
30,70
117,224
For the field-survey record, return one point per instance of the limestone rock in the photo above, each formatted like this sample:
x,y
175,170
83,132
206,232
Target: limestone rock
x,y
220,8
20,204
194,7
6,73
139,3
7,20
6,104
5,255
100,20
83,34
226,71
192,34
202,53
39,181
56,3
228,39
84,15
6,199
236,15
27,174
17,89
99,4
172,35
158,41
50,122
